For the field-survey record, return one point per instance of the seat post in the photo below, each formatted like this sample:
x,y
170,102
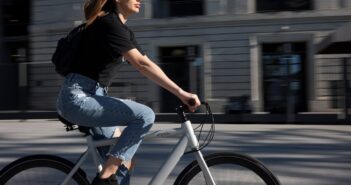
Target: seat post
x,y
94,153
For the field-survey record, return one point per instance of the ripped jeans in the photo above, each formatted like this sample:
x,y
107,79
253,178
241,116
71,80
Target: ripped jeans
x,y
83,101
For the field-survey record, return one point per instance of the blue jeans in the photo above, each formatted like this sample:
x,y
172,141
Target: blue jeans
x,y
123,173
83,101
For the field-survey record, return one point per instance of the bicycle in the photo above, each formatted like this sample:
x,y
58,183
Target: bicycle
x,y
210,169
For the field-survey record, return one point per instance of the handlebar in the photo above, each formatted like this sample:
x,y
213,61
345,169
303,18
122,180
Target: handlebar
x,y
182,109
208,138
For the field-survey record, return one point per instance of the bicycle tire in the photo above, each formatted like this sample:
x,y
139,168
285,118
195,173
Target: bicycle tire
x,y
39,167
247,169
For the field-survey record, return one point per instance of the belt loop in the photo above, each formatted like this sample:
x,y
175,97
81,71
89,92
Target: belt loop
x,y
97,86
106,90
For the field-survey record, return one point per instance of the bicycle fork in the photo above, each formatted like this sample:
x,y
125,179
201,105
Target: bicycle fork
x,y
194,145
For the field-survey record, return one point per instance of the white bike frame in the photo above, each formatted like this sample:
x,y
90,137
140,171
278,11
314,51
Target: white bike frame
x,y
187,139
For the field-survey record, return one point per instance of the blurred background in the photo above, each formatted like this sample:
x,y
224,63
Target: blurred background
x,y
252,60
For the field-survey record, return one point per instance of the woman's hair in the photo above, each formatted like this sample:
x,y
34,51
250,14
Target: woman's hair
x,y
95,8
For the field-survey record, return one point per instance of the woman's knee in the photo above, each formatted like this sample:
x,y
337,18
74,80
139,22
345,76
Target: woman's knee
x,y
148,115
143,113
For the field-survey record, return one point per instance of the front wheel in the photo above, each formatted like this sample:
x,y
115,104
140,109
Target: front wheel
x,y
228,169
40,170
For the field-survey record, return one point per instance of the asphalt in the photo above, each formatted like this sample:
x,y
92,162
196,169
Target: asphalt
x,y
296,154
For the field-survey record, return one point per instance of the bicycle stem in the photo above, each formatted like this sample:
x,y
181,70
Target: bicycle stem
x,y
181,112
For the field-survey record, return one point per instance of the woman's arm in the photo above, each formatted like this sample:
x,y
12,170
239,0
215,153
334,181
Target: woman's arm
x,y
152,71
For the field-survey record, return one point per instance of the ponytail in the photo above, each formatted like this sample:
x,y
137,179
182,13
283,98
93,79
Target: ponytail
x,y
96,8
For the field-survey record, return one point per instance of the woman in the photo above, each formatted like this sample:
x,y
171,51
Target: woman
x,y
82,99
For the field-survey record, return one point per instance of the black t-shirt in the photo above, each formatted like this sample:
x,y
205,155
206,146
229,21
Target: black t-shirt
x,y
103,42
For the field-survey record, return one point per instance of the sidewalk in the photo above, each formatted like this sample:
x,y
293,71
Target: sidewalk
x,y
297,154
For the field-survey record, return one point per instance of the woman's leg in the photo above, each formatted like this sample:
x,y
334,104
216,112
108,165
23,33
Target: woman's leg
x,y
100,133
119,152
102,111
123,172
79,103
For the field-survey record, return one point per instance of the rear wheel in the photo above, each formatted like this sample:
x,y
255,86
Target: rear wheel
x,y
40,170
228,169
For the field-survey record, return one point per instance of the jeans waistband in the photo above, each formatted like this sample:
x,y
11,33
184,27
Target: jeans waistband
x,y
86,83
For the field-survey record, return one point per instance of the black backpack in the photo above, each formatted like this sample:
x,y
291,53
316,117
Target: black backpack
x,y
66,50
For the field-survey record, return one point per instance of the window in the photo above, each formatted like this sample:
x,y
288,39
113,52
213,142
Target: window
x,y
16,16
284,77
177,8
283,5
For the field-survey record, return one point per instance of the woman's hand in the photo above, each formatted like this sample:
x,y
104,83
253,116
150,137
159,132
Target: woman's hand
x,y
190,100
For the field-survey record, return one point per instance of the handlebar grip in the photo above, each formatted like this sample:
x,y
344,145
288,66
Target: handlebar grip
x,y
192,102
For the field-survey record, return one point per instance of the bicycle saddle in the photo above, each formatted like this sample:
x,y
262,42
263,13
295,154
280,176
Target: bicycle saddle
x,y
71,126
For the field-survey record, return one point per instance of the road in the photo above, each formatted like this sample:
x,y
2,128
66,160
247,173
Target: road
x,y
297,154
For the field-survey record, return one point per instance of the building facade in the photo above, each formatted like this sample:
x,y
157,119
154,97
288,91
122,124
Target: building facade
x,y
260,52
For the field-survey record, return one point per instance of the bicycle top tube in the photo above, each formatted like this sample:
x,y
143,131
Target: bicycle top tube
x,y
166,133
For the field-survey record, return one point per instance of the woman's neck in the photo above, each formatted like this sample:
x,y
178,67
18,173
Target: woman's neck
x,y
122,17
122,14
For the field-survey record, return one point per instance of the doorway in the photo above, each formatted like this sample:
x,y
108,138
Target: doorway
x,y
15,18
284,77
183,65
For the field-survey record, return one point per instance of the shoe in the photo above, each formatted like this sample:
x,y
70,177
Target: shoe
x,y
109,181
123,175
